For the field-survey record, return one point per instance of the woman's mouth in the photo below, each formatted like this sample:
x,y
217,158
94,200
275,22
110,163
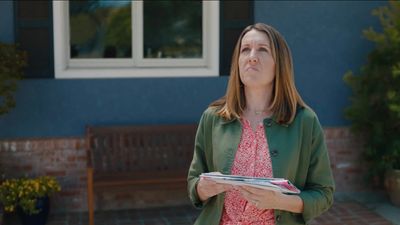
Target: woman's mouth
x,y
251,68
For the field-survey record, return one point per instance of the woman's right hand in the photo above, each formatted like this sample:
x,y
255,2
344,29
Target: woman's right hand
x,y
207,188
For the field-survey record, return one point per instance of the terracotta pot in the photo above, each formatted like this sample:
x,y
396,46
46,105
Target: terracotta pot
x,y
392,185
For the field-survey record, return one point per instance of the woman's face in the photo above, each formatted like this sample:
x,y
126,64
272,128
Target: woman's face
x,y
256,64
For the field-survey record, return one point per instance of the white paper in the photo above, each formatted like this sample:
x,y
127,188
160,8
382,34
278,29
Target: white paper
x,y
274,184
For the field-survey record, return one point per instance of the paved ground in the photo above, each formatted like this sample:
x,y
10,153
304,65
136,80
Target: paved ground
x,y
354,209
376,202
350,213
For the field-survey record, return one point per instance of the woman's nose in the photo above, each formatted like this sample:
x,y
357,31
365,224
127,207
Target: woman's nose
x,y
253,57
253,60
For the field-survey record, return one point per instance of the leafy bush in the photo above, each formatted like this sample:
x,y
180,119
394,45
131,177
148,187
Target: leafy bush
x,y
375,108
12,62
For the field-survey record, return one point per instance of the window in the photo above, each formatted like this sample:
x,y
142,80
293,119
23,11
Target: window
x,y
135,38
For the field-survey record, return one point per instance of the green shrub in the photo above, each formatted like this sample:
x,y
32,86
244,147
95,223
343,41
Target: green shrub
x,y
375,108
12,62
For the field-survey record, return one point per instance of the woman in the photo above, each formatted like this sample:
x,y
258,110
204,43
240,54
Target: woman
x,y
261,128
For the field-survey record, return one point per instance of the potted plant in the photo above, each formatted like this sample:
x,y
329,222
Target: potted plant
x,y
29,197
375,108
1,215
12,62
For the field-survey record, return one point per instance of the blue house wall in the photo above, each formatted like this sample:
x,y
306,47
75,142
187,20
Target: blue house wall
x,y
325,39
6,22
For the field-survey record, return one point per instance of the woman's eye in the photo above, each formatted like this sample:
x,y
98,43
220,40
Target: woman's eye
x,y
264,49
245,49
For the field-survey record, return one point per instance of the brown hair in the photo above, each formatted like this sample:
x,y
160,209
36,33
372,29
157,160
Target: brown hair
x,y
285,97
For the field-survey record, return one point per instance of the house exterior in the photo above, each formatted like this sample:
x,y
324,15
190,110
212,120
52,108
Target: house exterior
x,y
68,86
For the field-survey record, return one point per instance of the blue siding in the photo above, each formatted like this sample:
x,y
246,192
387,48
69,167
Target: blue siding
x,y
6,22
63,107
326,41
325,38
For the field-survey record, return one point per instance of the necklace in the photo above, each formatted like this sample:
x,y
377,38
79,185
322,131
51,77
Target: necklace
x,y
257,112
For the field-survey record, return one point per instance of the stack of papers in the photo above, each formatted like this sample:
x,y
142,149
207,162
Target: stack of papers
x,y
274,184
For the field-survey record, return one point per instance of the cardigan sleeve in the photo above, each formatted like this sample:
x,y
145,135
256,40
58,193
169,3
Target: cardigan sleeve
x,y
317,194
198,164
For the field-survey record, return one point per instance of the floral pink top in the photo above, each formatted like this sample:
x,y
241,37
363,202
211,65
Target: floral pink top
x,y
252,159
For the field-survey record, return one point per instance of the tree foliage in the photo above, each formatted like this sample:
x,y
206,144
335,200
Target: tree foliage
x,y
375,108
12,62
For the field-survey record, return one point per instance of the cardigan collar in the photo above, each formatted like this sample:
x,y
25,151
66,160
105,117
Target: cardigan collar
x,y
265,120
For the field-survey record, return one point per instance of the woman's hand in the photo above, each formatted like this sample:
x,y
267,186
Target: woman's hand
x,y
266,199
207,188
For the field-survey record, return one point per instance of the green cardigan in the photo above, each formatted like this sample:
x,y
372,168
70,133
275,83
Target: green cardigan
x,y
298,153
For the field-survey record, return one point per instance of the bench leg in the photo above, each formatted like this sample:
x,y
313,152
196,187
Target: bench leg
x,y
90,195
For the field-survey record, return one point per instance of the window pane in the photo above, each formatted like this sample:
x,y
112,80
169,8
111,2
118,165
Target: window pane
x,y
172,29
100,29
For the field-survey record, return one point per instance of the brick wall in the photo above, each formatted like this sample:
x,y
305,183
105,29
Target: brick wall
x,y
345,152
65,158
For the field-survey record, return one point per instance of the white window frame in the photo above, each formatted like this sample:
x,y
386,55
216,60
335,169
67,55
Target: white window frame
x,y
136,66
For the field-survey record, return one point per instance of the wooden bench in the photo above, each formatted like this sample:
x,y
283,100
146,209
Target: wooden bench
x,y
139,156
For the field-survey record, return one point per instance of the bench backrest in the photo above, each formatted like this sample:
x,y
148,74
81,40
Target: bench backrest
x,y
140,149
